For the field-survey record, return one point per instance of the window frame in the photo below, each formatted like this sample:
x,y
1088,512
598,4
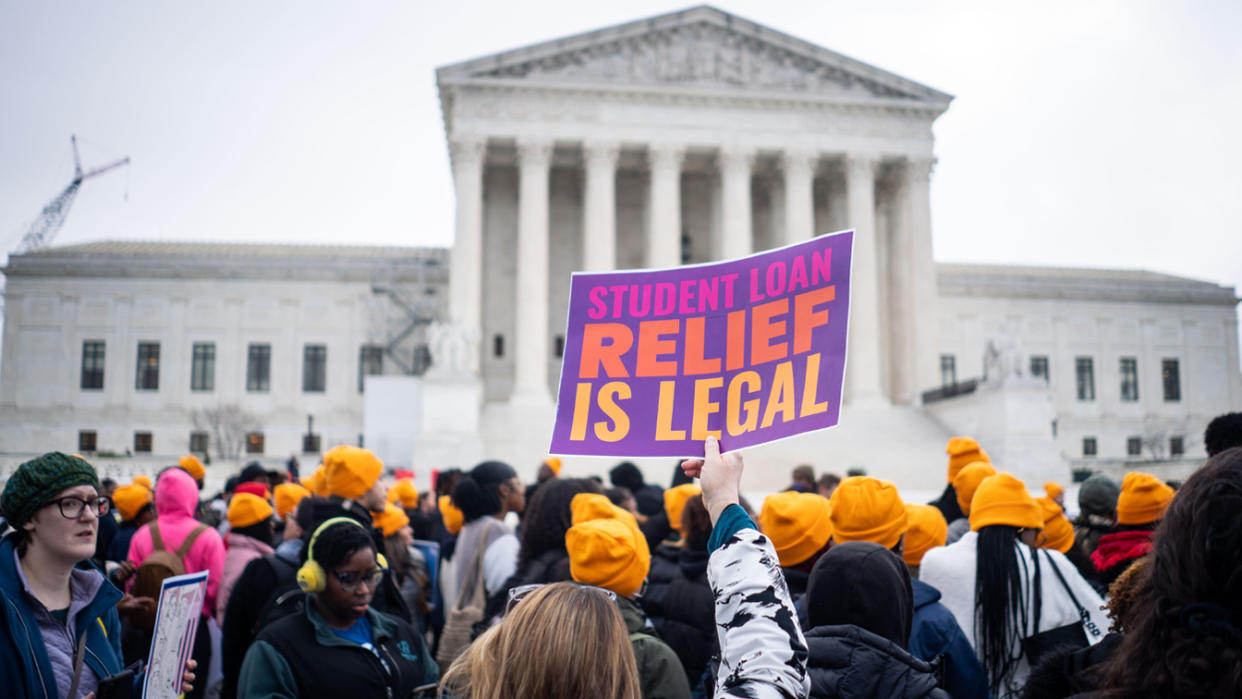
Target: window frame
x,y
948,362
151,371
259,356
314,356
94,441
1087,363
369,357
98,365
255,443
203,367
1174,396
1127,368
1094,447
1134,446
139,437
1040,360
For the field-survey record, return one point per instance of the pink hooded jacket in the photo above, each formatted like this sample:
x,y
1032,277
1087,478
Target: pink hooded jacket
x,y
176,499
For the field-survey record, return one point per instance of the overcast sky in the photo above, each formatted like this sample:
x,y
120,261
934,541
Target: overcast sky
x,y
1100,133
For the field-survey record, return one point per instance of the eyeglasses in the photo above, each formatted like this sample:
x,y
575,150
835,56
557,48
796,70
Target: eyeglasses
x,y
71,507
351,579
516,594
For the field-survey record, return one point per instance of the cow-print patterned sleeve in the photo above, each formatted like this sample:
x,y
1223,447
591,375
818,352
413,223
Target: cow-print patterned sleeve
x,y
762,651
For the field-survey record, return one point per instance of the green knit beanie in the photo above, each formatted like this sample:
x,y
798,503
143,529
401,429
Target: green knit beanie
x,y
1098,495
41,479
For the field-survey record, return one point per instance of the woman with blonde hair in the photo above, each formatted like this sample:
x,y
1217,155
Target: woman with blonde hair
x,y
559,641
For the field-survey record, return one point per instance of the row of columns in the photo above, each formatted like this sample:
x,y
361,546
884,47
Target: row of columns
x,y
662,241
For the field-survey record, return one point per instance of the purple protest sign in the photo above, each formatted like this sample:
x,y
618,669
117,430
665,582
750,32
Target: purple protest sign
x,y
751,350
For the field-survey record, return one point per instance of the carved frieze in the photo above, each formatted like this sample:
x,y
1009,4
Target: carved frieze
x,y
695,55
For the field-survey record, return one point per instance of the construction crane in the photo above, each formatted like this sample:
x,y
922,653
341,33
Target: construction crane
x,y
45,228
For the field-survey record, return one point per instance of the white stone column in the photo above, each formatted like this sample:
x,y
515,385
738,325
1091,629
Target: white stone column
x,y
530,381
600,207
799,169
465,280
664,206
924,292
736,239
862,377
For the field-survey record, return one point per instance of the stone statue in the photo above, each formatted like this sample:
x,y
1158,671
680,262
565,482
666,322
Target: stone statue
x,y
454,351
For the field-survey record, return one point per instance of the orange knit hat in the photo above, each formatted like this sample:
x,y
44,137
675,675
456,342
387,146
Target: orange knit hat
x,y
287,497
191,465
130,499
797,524
1143,499
390,520
962,451
1003,500
927,531
352,472
605,546
968,480
554,463
317,482
246,509
868,509
144,481
675,501
1058,532
1052,489
403,491
450,515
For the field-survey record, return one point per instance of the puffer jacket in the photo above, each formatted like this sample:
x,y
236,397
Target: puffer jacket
x,y
688,622
852,663
176,499
936,634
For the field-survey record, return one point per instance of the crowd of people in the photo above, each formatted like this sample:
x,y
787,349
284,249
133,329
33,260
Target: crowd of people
x,y
350,583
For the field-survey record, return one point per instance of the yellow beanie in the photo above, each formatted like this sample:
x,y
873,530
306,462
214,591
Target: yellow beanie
x,y
1003,500
191,465
797,524
675,502
450,515
287,496
1052,489
962,451
352,472
605,546
553,463
246,509
144,481
1058,532
1143,499
390,520
868,509
130,499
927,531
317,482
968,480
403,491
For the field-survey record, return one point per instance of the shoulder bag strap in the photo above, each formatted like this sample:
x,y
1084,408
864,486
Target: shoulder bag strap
x,y
184,549
1037,591
476,566
157,541
1082,611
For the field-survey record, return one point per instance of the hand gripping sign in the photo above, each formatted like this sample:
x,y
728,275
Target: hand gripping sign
x,y
750,350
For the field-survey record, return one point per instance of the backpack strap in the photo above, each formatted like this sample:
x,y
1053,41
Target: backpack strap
x,y
188,543
157,541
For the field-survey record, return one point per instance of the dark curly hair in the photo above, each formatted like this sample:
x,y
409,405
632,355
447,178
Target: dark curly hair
x,y
337,543
1183,637
1223,432
548,516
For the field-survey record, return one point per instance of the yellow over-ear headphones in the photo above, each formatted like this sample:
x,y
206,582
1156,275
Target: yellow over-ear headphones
x,y
311,576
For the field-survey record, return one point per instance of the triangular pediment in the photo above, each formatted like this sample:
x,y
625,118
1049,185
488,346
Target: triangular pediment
x,y
702,47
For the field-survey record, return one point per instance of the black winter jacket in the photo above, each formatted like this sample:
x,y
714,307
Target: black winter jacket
x,y
688,624
852,663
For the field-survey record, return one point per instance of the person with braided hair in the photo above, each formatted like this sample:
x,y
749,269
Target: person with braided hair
x,y
1184,626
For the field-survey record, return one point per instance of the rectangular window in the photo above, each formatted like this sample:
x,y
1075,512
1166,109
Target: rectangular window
x,y
948,370
314,368
203,367
1129,380
1039,367
1172,381
560,346
1134,446
498,345
1177,446
92,365
198,442
1084,371
86,441
310,444
254,443
370,363
1088,446
148,375
259,368
142,442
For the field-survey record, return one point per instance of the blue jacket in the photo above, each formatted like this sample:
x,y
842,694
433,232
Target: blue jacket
x,y
936,632
25,670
